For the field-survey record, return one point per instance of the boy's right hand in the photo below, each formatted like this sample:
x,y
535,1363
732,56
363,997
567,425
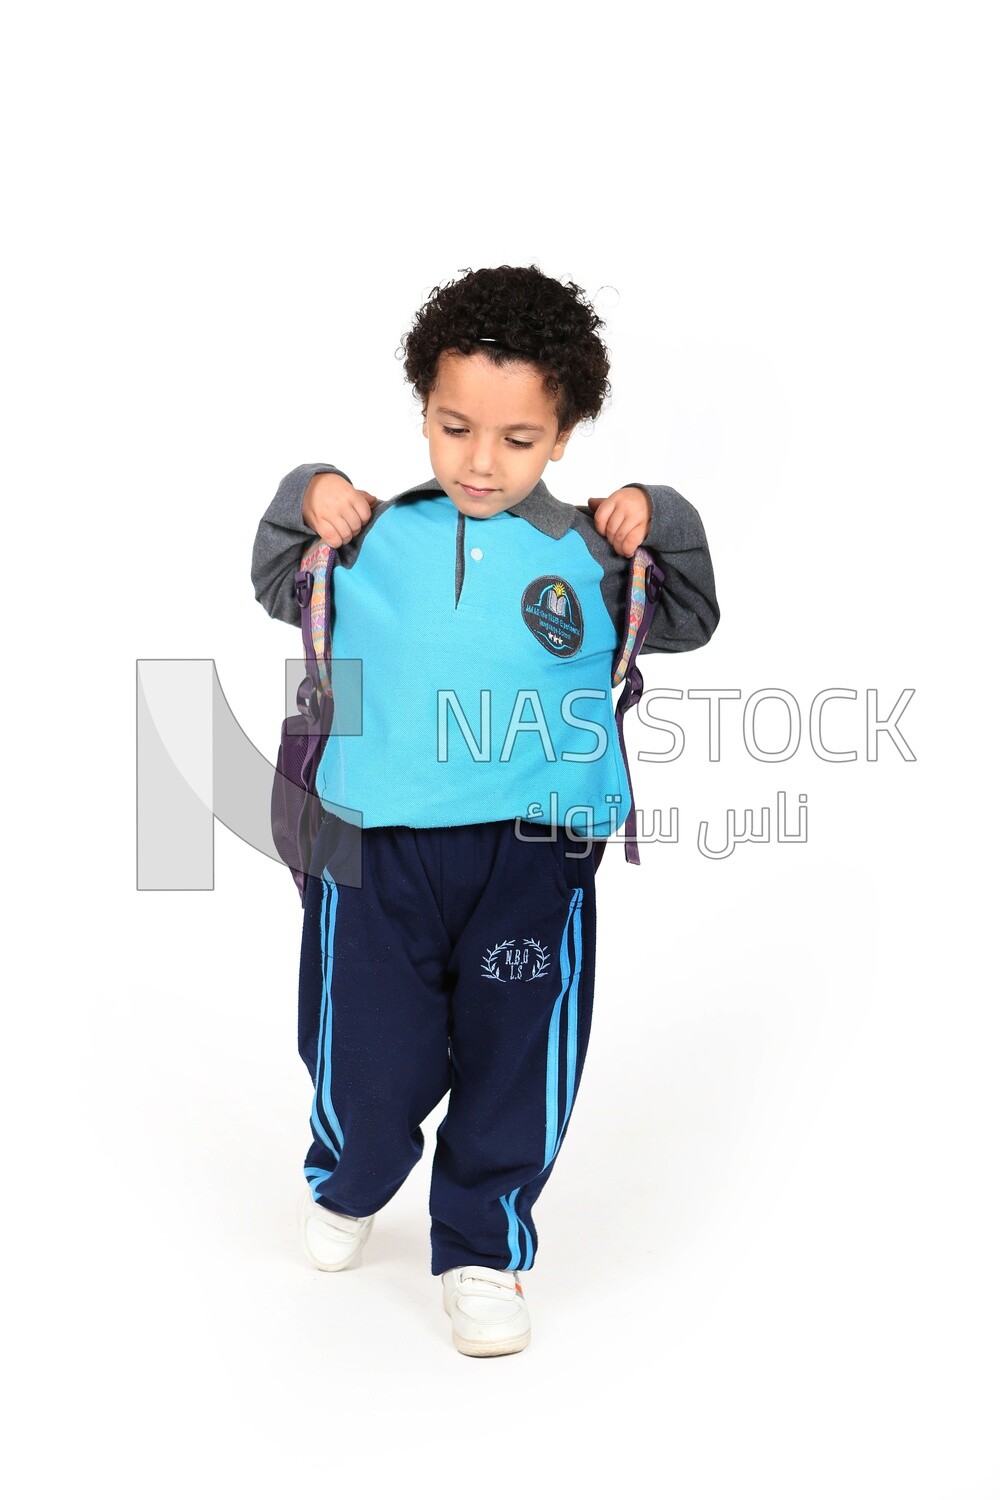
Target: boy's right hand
x,y
334,510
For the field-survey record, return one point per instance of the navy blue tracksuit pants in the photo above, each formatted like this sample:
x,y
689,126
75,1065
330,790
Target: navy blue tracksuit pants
x,y
464,961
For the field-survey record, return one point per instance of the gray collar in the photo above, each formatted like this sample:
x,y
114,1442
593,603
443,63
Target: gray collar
x,y
539,508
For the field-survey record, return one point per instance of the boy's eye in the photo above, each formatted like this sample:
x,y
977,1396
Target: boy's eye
x,y
514,442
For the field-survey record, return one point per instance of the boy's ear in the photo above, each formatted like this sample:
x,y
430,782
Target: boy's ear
x,y
561,441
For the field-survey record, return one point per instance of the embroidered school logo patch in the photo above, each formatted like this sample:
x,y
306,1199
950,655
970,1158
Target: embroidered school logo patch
x,y
551,610
516,958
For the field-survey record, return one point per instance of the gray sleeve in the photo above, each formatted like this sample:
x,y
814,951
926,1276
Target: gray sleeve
x,y
688,610
280,542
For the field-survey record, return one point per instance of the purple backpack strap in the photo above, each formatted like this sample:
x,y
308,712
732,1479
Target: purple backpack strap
x,y
314,699
647,581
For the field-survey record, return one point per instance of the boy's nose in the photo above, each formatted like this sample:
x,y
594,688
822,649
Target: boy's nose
x,y
483,459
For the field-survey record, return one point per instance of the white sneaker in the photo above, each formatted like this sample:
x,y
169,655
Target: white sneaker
x,y
332,1242
487,1310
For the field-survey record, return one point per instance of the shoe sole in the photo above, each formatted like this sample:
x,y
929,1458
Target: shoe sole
x,y
484,1348
352,1262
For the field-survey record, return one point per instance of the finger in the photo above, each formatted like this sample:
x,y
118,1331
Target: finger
x,y
335,533
358,514
600,517
627,520
615,523
615,528
629,541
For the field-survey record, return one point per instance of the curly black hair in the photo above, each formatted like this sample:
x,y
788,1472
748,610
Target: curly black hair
x,y
532,317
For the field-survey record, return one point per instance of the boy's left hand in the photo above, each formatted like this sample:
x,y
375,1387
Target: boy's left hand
x,y
623,518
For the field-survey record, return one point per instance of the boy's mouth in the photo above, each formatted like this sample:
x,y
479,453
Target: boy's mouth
x,y
477,494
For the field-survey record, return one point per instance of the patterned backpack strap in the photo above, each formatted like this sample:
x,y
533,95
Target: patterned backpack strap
x,y
647,581
636,605
313,588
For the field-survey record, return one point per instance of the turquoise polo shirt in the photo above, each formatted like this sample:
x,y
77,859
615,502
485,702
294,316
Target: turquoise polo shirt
x,y
472,663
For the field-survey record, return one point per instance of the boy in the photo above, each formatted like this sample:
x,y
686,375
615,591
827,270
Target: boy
x,y
481,609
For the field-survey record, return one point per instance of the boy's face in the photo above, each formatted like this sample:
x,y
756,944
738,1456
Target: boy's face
x,y
492,429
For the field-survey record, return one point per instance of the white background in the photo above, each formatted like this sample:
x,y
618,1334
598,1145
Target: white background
x,y
768,1254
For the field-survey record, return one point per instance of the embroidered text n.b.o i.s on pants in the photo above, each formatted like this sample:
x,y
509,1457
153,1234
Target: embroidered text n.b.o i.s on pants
x,y
463,961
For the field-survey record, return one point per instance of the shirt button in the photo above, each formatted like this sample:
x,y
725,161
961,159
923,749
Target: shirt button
x,y
477,553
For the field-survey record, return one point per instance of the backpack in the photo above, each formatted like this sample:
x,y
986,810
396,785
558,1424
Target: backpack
x,y
296,810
